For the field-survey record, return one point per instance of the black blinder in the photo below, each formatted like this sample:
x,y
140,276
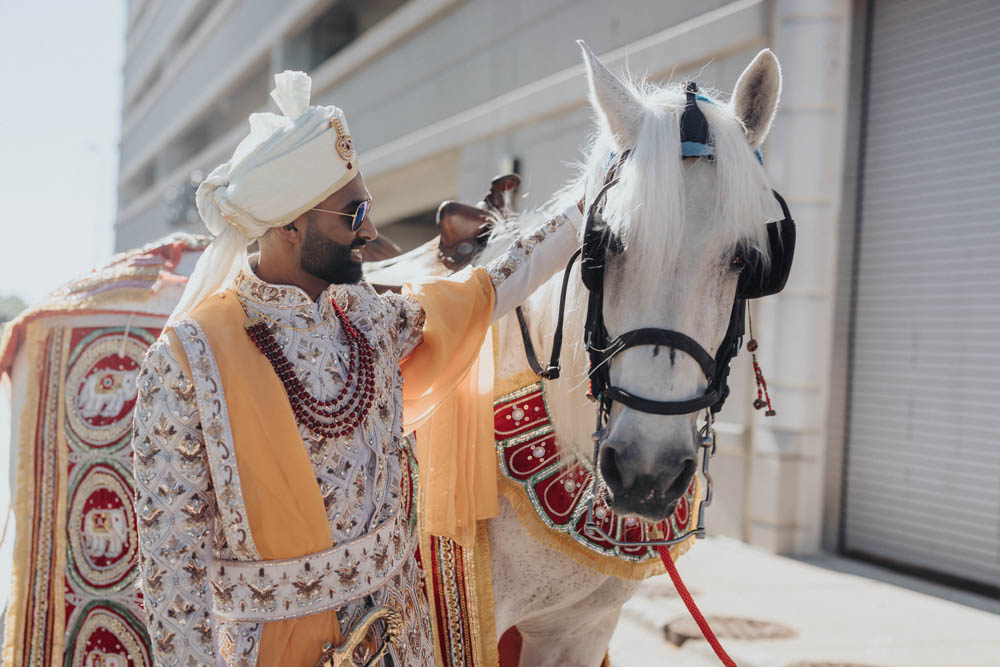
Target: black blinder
x,y
596,239
756,281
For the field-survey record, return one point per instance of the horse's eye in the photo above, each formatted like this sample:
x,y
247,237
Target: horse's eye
x,y
738,260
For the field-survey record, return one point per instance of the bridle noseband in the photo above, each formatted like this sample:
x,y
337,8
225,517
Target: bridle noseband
x,y
754,282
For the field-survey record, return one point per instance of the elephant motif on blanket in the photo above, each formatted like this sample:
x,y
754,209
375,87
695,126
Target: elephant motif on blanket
x,y
105,533
106,392
101,659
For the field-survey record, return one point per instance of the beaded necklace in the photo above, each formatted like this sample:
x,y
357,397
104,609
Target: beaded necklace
x,y
341,415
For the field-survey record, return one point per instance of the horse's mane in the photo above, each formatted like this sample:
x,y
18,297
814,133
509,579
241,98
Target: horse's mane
x,y
646,210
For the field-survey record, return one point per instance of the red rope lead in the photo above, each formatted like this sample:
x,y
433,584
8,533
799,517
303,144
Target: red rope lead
x,y
682,590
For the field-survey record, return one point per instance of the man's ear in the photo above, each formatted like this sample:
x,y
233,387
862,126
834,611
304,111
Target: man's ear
x,y
293,233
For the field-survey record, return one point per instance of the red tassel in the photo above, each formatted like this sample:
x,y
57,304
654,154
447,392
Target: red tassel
x,y
763,399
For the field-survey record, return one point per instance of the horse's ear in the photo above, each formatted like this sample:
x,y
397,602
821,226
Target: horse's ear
x,y
755,98
612,100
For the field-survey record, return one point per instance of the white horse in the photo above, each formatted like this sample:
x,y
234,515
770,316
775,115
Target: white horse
x,y
680,222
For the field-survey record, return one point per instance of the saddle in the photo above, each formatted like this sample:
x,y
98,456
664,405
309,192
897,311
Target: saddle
x,y
463,232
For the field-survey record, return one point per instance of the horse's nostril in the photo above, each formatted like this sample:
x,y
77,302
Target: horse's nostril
x,y
683,479
610,469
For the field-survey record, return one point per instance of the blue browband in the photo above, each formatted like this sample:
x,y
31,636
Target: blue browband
x,y
691,149
695,140
697,149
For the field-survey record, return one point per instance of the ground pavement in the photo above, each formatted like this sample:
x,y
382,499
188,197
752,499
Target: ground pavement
x,y
839,612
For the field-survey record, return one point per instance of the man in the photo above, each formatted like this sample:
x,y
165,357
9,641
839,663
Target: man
x,y
273,483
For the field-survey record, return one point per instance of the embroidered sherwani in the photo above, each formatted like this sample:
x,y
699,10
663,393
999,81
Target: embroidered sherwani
x,y
208,590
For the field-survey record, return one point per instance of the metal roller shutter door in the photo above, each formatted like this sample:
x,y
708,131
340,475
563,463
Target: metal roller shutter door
x,y
923,457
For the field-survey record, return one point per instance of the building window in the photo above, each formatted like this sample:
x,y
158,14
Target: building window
x,y
141,181
334,29
177,43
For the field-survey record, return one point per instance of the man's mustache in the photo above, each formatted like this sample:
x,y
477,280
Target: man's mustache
x,y
358,243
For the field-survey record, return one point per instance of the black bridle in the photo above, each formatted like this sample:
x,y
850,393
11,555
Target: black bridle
x,y
755,281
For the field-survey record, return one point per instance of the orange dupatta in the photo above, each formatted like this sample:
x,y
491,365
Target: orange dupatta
x,y
448,398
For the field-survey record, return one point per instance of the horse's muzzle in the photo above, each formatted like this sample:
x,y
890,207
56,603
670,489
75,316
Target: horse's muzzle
x,y
648,491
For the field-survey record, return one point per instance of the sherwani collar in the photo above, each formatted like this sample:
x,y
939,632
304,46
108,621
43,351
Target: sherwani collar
x,y
293,305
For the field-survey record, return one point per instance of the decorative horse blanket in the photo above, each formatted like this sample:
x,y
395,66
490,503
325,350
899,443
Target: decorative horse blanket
x,y
73,362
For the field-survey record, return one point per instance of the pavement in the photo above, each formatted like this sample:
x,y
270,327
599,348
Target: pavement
x,y
838,613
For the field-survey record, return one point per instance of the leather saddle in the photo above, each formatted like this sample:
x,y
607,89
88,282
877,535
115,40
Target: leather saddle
x,y
463,232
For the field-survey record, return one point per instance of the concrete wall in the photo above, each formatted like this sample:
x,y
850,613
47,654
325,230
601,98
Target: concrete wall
x,y
806,163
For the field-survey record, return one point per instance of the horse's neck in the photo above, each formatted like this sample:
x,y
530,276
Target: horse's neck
x,y
572,414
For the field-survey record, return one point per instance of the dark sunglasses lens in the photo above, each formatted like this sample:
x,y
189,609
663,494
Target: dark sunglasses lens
x,y
359,216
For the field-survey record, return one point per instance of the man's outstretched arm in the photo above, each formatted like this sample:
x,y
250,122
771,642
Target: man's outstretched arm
x,y
532,259
524,266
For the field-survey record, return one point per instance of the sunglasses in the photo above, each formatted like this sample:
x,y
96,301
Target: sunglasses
x,y
357,218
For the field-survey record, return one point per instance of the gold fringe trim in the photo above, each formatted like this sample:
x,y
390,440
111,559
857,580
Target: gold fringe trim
x,y
508,385
561,542
23,510
58,594
581,555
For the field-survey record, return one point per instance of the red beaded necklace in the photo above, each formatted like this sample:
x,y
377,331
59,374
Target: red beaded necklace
x,y
339,416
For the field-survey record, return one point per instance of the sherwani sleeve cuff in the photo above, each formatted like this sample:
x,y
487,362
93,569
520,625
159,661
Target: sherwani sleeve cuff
x,y
532,260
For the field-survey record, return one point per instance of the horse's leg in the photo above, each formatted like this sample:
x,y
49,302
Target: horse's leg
x,y
576,635
549,597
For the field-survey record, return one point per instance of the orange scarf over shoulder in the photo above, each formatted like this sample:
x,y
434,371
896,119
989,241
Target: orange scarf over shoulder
x,y
447,395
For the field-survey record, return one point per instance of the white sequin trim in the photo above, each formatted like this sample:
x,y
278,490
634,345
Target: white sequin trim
x,y
218,434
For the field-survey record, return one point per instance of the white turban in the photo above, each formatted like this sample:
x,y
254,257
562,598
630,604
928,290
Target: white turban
x,y
286,165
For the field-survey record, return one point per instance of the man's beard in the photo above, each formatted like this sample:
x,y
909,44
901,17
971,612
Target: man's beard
x,y
328,260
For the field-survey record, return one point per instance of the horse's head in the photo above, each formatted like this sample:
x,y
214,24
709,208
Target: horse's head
x,y
680,227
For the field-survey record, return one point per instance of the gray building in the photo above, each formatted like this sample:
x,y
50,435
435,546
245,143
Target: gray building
x,y
878,354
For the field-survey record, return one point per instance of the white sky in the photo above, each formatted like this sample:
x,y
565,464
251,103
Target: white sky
x,y
60,99
60,116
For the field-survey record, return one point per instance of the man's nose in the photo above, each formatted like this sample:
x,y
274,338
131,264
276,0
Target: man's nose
x,y
367,230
